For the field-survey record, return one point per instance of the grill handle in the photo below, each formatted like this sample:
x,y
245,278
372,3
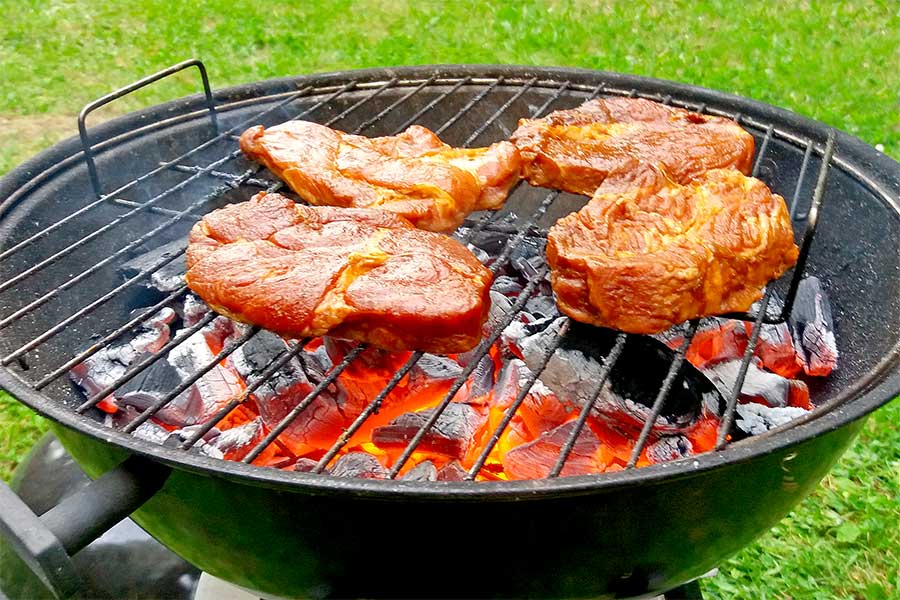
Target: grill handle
x,y
88,109
46,543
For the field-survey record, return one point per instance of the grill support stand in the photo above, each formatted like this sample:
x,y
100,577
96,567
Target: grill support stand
x,y
45,543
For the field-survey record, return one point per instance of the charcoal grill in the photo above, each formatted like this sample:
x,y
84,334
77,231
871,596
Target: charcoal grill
x,y
73,214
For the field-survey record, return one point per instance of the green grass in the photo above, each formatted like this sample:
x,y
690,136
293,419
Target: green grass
x,y
837,62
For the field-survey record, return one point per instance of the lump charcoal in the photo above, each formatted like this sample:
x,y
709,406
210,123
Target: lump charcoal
x,y
534,460
771,388
451,435
813,329
753,418
359,464
165,279
424,471
669,447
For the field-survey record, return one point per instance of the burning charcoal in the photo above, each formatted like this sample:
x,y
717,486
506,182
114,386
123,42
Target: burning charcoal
x,y
530,250
257,354
480,254
534,460
759,386
431,368
452,471
479,384
542,307
148,430
717,340
317,364
154,383
669,447
501,306
451,435
507,286
194,310
304,465
632,386
813,329
540,410
236,442
570,373
372,362
424,471
105,367
216,387
165,279
359,464
316,426
775,346
491,239
753,418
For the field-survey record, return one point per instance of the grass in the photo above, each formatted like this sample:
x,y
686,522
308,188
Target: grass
x,y
836,62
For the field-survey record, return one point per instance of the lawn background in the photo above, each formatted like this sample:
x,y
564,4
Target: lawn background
x,y
836,62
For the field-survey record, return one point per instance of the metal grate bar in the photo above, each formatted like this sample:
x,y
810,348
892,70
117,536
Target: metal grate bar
x,y
478,98
370,409
608,366
282,360
226,351
182,214
104,229
480,351
310,398
761,317
490,120
142,207
660,400
433,103
807,154
37,341
812,220
56,225
362,101
61,325
144,315
510,412
142,365
731,405
371,121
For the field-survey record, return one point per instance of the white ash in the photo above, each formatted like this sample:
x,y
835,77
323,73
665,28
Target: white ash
x,y
570,373
754,418
772,387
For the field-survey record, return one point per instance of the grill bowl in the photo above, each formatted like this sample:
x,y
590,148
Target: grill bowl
x,y
296,534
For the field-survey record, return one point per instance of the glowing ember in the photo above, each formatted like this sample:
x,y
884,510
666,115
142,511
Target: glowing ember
x,y
547,406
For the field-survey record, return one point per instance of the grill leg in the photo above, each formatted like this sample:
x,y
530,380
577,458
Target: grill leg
x,y
688,591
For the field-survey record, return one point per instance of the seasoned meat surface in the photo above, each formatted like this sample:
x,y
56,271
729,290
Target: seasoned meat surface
x,y
609,139
359,274
413,174
645,259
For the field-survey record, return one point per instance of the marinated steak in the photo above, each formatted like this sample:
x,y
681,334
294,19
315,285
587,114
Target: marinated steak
x,y
609,139
413,174
645,259
358,274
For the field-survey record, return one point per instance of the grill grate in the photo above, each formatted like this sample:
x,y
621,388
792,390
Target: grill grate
x,y
226,172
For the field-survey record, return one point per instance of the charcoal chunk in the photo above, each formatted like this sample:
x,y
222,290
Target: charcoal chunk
x,y
813,329
361,465
424,471
753,418
451,434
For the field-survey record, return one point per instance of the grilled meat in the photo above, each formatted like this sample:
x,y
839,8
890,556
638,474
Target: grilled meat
x,y
609,139
645,259
413,174
359,274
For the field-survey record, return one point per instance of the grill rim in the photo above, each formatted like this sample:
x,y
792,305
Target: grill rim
x,y
853,156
